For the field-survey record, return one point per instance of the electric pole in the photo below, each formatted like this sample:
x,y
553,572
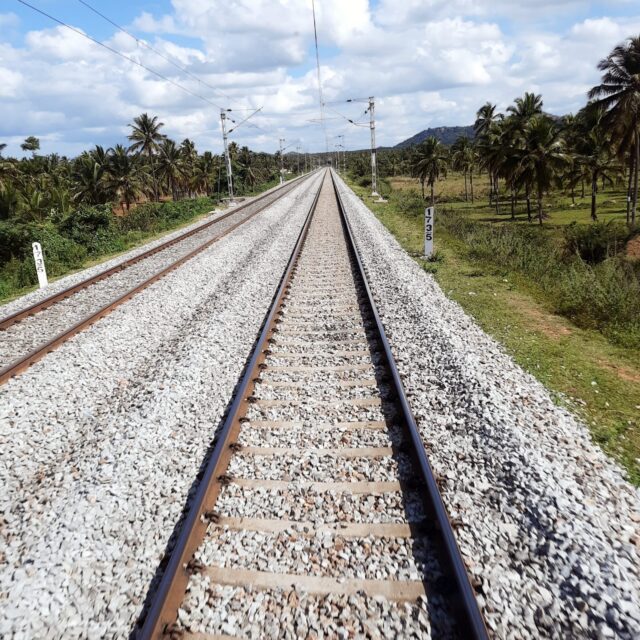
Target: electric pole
x,y
372,125
281,161
344,166
223,118
298,158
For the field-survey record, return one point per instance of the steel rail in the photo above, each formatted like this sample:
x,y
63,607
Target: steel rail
x,y
17,366
172,587
19,315
162,615
474,625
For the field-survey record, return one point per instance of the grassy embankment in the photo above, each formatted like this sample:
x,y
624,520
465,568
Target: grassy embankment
x,y
589,371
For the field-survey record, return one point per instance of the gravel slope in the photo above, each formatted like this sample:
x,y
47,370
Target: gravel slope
x,y
549,526
101,440
67,281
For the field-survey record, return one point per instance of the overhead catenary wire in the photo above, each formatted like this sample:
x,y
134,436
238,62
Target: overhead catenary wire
x,y
119,53
315,35
145,44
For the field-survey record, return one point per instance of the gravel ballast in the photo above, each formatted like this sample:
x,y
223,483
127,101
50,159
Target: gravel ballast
x,y
102,439
549,526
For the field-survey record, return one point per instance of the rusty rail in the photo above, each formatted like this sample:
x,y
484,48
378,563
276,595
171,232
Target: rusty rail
x,y
12,319
22,363
160,619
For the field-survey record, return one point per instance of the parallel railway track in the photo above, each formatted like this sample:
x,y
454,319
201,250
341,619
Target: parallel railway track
x,y
318,513
30,333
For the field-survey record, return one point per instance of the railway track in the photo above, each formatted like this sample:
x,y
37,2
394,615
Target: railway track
x,y
30,333
318,514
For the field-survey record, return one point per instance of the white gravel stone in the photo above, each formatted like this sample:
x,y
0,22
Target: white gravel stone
x,y
320,554
101,440
293,614
549,524
306,505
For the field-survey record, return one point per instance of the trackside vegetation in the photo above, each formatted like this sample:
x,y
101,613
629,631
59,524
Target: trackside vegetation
x,y
537,237
108,200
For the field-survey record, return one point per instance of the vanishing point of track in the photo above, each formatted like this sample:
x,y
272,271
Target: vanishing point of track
x,y
319,459
29,334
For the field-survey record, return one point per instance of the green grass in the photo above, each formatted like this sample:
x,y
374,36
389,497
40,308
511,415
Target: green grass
x,y
586,373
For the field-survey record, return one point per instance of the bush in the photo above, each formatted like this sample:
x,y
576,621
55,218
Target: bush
x,y
595,242
409,202
603,295
87,232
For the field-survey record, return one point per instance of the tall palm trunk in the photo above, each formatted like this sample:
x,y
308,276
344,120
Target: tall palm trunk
x,y
594,191
471,181
635,177
153,173
466,196
490,188
632,162
433,198
540,205
528,193
497,194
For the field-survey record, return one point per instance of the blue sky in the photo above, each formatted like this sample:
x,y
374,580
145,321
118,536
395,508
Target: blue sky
x,y
428,62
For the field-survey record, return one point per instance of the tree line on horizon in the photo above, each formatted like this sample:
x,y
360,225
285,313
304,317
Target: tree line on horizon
x,y
151,168
526,152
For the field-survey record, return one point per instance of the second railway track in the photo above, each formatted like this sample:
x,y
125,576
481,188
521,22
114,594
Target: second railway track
x,y
318,514
29,334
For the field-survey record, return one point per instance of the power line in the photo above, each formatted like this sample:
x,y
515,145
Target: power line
x,y
118,53
315,35
158,53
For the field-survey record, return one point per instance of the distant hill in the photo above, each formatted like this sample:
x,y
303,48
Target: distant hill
x,y
446,135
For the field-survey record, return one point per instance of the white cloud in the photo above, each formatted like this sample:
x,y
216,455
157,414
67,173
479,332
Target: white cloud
x,y
428,62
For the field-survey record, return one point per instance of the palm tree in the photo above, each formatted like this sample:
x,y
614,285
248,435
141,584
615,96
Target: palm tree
x,y
619,95
493,148
593,149
88,178
542,156
146,136
206,169
123,178
523,109
485,117
463,159
189,157
430,162
31,144
171,166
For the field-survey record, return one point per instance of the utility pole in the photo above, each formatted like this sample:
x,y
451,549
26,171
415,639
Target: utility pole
x,y
223,118
298,158
372,125
281,161
344,166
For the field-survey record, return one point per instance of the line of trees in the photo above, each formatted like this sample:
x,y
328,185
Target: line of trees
x,y
152,167
527,152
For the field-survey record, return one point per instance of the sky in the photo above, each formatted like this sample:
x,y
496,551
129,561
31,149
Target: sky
x,y
428,63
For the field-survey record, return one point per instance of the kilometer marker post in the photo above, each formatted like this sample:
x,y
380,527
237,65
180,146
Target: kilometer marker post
x,y
38,258
429,215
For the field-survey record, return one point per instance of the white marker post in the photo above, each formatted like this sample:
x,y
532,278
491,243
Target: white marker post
x,y
40,268
429,214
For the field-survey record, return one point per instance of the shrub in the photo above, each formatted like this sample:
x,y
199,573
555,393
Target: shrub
x,y
595,242
408,202
603,294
